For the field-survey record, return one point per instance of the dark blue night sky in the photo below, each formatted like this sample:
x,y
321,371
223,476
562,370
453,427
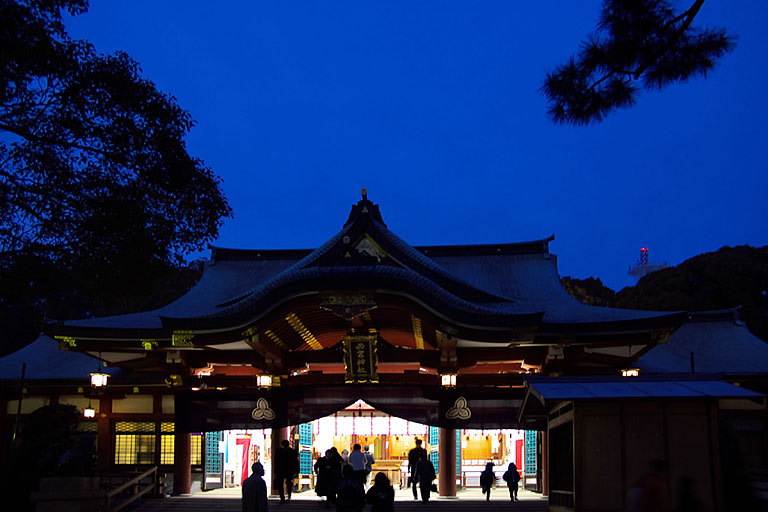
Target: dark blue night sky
x,y
434,106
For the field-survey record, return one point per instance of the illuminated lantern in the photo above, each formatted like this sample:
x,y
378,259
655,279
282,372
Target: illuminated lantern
x,y
99,380
264,381
448,380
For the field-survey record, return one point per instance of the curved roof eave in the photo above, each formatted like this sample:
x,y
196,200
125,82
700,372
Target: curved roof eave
x,y
373,278
365,221
478,284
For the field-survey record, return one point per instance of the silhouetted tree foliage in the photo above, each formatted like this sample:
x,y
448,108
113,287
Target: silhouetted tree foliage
x,y
729,277
48,445
637,42
590,291
97,189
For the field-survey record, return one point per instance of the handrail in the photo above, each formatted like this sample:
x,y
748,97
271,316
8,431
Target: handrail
x,y
134,481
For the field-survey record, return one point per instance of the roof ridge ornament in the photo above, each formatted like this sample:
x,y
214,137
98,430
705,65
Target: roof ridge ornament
x,y
364,208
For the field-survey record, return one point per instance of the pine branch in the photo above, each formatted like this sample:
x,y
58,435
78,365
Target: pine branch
x,y
688,15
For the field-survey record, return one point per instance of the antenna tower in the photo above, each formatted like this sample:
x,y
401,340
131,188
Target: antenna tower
x,y
643,267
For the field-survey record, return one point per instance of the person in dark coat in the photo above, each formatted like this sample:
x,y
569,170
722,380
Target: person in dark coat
x,y
487,479
286,469
381,495
350,496
325,485
650,492
512,477
337,463
369,462
255,490
425,474
413,461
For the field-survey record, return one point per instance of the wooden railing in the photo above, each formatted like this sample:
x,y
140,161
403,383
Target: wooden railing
x,y
137,490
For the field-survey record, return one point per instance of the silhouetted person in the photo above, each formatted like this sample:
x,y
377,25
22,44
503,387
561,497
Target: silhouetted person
x,y
736,486
255,490
337,464
369,462
487,479
686,498
649,494
325,485
286,469
381,495
425,474
345,456
357,461
413,459
350,496
512,477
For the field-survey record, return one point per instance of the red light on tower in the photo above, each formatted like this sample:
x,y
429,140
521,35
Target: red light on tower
x,y
643,266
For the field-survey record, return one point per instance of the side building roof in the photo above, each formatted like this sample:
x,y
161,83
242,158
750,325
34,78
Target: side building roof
x,y
711,342
42,360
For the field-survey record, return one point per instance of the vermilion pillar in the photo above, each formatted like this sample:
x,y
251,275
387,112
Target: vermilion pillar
x,y
447,462
278,436
182,463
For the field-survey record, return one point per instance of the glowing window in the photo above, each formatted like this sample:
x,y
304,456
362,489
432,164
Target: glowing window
x,y
134,449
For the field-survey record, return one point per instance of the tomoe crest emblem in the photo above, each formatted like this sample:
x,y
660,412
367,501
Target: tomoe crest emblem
x,y
262,410
459,411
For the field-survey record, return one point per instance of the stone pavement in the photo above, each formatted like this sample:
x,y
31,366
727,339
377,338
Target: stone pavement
x,y
468,500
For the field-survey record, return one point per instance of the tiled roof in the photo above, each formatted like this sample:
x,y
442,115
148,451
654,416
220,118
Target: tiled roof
x,y
44,361
491,281
579,388
719,342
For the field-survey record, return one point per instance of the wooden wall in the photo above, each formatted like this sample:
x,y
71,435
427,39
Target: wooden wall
x,y
615,442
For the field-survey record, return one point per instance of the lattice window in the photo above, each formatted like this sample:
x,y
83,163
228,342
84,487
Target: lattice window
x,y
530,451
434,436
458,452
305,436
134,449
196,457
212,455
166,449
88,426
305,462
135,426
134,442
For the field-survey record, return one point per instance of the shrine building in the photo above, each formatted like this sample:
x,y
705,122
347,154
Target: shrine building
x,y
475,349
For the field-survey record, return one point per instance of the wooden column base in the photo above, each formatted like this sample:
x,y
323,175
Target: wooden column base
x,y
447,462
182,463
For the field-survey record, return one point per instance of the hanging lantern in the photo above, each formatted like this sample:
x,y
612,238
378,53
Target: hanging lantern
x,y
448,380
264,381
99,380
89,412
630,372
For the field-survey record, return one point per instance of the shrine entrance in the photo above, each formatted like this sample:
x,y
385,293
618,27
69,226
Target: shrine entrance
x,y
229,454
